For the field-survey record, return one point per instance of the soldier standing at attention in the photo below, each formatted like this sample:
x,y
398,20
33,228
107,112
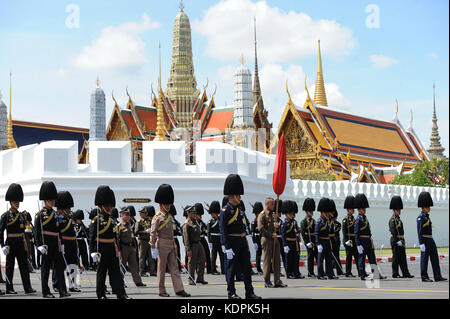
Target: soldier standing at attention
x,y
307,229
29,238
82,236
256,236
199,214
269,229
194,249
176,232
363,239
103,239
427,245
128,246
335,237
323,241
290,240
398,240
162,244
233,232
47,239
13,222
142,230
348,233
213,231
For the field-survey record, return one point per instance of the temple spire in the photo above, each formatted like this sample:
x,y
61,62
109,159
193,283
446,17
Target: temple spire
x,y
160,132
320,96
11,141
435,150
256,84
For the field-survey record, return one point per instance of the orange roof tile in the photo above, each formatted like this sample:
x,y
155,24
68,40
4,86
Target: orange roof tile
x,y
131,123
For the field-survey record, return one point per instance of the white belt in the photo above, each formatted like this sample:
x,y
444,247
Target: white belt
x,y
278,236
215,234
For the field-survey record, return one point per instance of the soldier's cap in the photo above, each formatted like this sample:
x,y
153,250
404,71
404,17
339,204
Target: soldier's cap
x,y
105,196
214,208
164,195
288,207
94,212
148,210
257,207
190,210
199,209
78,214
424,200
132,210
309,205
361,201
14,193
48,191
64,200
125,211
333,208
396,203
324,205
233,185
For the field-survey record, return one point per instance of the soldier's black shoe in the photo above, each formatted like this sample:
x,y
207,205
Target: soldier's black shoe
x,y
312,275
408,276
153,274
269,285
2,281
164,294
333,277
281,275
49,295
300,276
396,276
215,273
11,292
427,280
125,296
253,296
2,293
74,290
202,282
182,293
291,277
30,291
382,277
321,277
141,284
107,292
144,274
440,279
64,295
281,285
192,283
103,297
234,296
349,275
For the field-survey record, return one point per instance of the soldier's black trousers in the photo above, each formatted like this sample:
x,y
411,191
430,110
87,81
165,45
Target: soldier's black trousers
x,y
312,254
292,259
83,250
204,243
109,263
351,252
242,260
325,254
31,255
283,255
17,251
336,260
258,256
177,244
430,252
399,258
217,249
369,252
52,258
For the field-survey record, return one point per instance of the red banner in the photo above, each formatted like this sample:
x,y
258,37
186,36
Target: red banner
x,y
279,171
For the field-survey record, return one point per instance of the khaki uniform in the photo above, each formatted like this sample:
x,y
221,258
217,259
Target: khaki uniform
x,y
266,228
191,238
161,237
146,262
127,246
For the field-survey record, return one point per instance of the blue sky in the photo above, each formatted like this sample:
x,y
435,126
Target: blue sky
x,y
366,66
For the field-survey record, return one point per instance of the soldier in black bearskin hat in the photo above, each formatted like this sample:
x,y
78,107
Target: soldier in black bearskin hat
x,y
15,247
256,236
322,231
289,233
307,229
213,231
348,236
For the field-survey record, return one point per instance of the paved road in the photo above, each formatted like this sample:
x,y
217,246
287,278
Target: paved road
x,y
344,288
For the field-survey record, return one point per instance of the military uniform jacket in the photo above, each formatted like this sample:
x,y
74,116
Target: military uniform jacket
x,y
266,225
336,230
362,227
50,223
213,230
81,231
140,229
191,233
348,227
230,222
161,228
176,228
203,228
396,227
67,226
125,234
423,226
13,223
307,229
289,229
256,236
322,229
107,229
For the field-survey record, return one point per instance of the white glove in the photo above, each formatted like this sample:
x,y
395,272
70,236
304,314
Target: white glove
x,y
5,250
256,246
42,250
360,249
148,230
348,243
28,230
309,245
286,249
320,248
95,257
223,249
155,253
399,243
210,246
422,248
62,248
229,253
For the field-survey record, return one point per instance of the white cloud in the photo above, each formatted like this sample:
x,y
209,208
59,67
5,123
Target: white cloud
x,y
432,55
282,36
119,48
381,61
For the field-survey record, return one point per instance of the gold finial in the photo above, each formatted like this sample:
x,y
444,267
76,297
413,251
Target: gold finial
x,y
411,120
11,141
396,108
242,58
97,82
320,96
112,95
287,91
181,5
160,131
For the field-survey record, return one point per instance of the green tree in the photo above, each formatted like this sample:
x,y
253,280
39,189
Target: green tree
x,y
432,173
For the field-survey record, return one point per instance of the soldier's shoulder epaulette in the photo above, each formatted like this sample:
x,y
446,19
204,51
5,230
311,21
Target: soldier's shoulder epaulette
x,y
158,213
